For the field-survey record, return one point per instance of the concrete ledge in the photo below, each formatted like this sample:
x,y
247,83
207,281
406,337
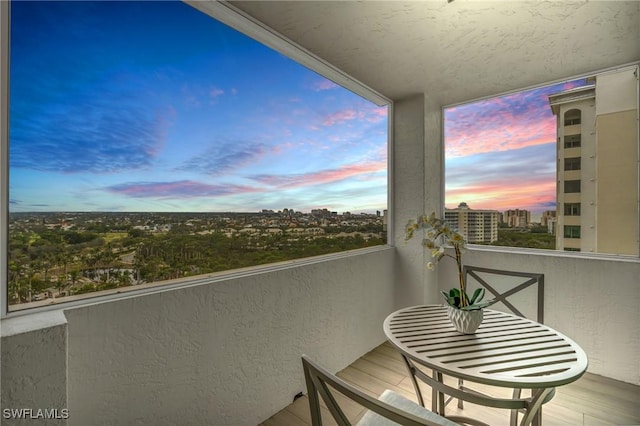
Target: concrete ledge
x,y
34,369
31,322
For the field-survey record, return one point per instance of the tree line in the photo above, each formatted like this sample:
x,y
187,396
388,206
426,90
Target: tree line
x,y
47,262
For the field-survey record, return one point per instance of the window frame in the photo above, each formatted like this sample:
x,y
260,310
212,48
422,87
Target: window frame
x,y
567,186
572,163
573,209
572,119
572,232
4,155
572,141
239,21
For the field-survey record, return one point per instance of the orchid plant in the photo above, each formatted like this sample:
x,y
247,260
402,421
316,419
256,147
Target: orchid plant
x,y
437,235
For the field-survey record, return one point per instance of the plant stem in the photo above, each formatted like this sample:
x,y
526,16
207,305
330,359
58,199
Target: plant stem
x,y
463,286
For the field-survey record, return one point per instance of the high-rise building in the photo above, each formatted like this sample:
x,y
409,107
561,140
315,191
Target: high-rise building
x,y
597,168
516,218
477,226
548,219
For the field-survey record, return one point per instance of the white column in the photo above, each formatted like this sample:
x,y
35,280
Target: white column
x,y
417,189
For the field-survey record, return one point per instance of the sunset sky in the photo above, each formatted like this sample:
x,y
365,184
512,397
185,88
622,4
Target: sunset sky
x,y
122,106
501,152
153,106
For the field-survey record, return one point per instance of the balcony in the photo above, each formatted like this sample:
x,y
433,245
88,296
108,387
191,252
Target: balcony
x,y
226,350
592,400
230,350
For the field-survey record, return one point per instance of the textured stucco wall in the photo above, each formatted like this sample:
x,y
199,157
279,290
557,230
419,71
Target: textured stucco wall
x,y
226,353
417,168
34,368
592,301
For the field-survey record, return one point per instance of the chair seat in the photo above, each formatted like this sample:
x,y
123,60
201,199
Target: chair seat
x,y
404,404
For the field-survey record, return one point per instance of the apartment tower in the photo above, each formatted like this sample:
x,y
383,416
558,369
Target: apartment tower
x,y
516,218
548,220
597,168
477,226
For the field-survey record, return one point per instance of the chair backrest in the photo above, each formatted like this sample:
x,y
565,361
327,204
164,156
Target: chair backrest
x,y
528,279
321,382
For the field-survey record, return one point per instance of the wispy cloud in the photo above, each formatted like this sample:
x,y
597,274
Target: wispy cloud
x,y
377,114
509,122
321,176
324,84
195,95
523,178
341,117
164,129
183,189
91,137
533,196
371,115
215,92
224,156
501,152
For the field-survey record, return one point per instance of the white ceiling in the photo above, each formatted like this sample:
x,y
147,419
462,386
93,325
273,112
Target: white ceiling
x,y
462,50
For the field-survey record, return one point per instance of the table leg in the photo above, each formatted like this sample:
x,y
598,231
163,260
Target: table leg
x,y
537,419
514,413
534,409
412,374
434,397
460,401
438,397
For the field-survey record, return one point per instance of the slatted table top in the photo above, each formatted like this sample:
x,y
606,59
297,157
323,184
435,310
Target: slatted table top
x,y
506,350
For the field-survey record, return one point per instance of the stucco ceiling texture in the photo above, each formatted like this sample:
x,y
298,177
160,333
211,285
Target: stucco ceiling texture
x,y
461,50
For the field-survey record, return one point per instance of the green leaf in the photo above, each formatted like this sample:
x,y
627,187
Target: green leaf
x,y
450,300
477,296
478,306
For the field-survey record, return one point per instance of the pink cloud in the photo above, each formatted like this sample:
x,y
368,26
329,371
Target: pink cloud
x,y
341,117
377,114
571,84
501,151
534,195
283,147
501,138
372,115
322,176
184,189
508,122
322,85
498,129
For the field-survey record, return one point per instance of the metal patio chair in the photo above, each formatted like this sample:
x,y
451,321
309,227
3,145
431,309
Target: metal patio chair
x,y
390,409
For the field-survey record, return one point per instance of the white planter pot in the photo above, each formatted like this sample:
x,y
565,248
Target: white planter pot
x,y
466,322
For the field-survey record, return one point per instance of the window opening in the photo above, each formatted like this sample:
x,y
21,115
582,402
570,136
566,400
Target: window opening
x,y
140,155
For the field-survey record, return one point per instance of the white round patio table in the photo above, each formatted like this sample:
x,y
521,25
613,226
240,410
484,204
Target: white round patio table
x,y
506,351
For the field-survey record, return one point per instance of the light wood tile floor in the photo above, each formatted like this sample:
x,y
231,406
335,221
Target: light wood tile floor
x,y
590,401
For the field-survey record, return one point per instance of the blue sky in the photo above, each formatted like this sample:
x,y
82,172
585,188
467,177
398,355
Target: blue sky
x,y
153,106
